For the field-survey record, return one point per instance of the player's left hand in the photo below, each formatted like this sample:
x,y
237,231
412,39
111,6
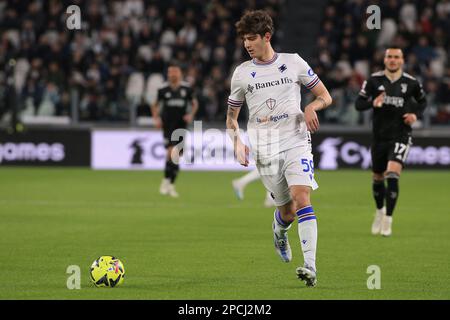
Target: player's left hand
x,y
409,118
312,122
188,118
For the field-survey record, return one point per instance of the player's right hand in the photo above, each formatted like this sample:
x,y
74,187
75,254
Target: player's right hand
x,y
242,152
378,102
158,122
409,118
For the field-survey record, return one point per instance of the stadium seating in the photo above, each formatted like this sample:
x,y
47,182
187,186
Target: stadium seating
x,y
122,41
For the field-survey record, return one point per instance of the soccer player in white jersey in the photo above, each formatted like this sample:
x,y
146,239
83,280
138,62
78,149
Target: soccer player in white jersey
x,y
279,132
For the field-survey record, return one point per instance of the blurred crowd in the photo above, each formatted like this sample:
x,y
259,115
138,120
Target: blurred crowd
x,y
348,51
118,59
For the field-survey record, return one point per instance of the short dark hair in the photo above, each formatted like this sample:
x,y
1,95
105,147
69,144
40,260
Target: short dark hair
x,y
393,48
255,22
174,63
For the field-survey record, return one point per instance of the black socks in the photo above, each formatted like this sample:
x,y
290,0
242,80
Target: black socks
x,y
392,192
379,191
171,171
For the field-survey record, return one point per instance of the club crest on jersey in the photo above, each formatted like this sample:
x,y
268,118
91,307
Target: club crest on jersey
x,y
271,103
282,68
404,87
253,74
250,88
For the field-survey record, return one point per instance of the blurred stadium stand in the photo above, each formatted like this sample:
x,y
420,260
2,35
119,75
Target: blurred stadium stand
x,y
346,52
107,73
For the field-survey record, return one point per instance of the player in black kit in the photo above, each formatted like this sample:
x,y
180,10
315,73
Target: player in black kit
x,y
178,107
397,100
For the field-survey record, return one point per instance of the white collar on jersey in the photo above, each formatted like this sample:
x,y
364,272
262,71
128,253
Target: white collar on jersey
x,y
265,63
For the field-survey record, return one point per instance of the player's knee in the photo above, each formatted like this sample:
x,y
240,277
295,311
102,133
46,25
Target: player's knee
x,y
392,175
394,167
300,200
169,152
378,176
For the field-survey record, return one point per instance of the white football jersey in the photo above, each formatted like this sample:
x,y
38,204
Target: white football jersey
x,y
272,92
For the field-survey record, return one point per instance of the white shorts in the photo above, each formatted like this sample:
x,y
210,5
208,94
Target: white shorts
x,y
293,167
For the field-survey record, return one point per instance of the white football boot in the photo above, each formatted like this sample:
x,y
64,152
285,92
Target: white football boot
x,y
172,192
282,246
164,187
376,225
238,189
386,226
307,274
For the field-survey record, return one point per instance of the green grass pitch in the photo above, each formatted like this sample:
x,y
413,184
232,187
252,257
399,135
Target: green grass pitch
x,y
209,245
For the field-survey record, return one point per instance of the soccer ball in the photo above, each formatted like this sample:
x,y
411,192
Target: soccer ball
x,y
107,271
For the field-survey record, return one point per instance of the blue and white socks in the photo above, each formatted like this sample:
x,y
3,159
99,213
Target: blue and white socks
x,y
307,231
280,226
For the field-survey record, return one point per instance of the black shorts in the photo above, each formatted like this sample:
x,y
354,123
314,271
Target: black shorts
x,y
172,137
394,150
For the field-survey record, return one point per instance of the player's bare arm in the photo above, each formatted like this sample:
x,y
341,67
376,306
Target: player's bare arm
x,y
240,149
189,117
322,101
155,114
